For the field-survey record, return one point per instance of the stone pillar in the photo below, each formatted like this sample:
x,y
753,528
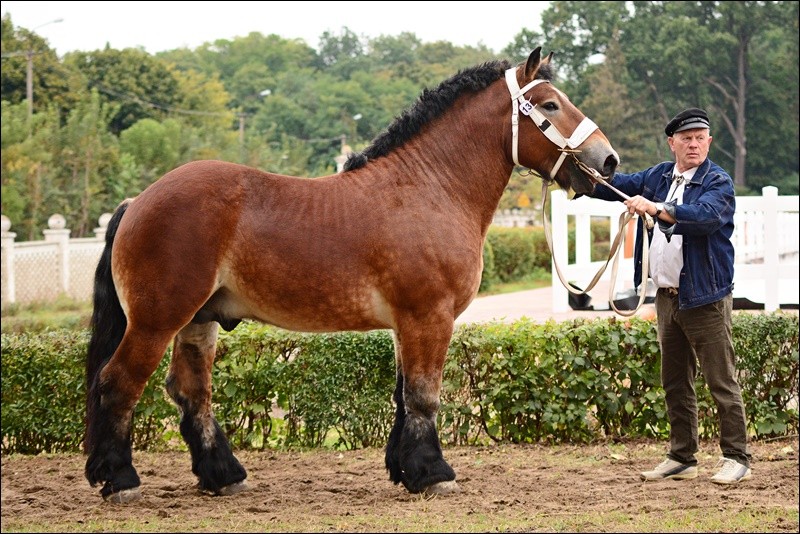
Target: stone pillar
x,y
341,159
100,231
57,233
10,294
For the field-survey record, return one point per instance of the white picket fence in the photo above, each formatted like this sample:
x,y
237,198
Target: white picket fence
x,y
765,240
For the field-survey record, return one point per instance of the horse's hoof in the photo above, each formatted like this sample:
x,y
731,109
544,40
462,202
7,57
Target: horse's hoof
x,y
125,496
448,487
233,489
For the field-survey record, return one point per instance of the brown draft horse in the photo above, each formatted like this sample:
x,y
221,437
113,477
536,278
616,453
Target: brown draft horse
x,y
393,242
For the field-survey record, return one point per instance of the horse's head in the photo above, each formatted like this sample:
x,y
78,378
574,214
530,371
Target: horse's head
x,y
559,141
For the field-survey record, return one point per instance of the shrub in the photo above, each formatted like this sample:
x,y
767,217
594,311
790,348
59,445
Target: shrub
x,y
550,382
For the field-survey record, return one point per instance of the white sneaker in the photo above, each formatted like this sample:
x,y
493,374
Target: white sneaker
x,y
671,469
730,472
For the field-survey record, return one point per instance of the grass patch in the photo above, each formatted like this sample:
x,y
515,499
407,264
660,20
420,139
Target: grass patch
x,y
534,281
64,313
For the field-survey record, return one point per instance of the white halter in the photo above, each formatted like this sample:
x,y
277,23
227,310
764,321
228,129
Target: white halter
x,y
520,103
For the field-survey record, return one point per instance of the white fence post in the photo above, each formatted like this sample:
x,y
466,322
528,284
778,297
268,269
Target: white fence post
x,y
8,260
57,233
771,276
100,231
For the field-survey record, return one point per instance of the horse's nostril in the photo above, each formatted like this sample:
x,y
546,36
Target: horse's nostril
x,y
610,165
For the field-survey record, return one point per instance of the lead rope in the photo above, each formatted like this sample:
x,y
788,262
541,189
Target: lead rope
x,y
624,218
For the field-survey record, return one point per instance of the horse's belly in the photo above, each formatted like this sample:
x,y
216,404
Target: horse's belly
x,y
315,310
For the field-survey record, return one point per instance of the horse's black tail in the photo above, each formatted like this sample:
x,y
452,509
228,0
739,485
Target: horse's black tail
x,y
108,325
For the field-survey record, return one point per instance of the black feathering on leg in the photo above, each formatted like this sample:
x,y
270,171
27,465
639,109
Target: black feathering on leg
x,y
215,466
393,445
421,458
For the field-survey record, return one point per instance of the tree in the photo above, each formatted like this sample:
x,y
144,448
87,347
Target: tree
x,y
52,81
142,85
578,31
742,21
523,44
683,54
626,123
154,146
89,155
26,170
773,102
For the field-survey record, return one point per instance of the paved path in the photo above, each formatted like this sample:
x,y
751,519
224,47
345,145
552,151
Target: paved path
x,y
535,304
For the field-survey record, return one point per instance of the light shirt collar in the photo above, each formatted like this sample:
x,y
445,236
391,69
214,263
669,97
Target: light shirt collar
x,y
687,174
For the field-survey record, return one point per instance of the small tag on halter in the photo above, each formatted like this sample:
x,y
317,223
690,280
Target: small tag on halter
x,y
525,107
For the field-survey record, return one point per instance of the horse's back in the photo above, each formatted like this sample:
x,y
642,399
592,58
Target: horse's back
x,y
265,246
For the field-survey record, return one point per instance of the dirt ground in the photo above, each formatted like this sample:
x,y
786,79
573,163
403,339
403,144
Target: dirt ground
x,y
506,488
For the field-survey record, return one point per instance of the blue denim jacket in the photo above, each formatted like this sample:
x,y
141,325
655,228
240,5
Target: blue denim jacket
x,y
705,220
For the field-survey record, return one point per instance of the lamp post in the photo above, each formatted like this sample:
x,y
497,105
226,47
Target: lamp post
x,y
29,74
356,118
242,116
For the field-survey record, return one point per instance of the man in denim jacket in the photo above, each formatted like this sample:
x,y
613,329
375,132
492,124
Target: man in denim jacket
x,y
691,263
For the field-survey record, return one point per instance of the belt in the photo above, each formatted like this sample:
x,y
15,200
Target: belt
x,y
671,290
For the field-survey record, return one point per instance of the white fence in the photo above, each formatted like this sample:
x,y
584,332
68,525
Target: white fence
x,y
40,271
765,241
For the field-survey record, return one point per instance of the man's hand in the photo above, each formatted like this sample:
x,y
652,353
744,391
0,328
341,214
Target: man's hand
x,y
640,205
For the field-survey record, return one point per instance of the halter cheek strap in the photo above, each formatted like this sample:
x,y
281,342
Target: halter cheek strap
x,y
521,105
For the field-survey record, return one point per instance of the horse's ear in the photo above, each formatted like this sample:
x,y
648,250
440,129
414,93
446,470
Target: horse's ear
x,y
532,65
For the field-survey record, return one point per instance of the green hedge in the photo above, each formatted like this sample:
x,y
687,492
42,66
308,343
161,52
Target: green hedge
x,y
514,254
573,381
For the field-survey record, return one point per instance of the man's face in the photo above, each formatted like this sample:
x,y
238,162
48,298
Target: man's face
x,y
690,147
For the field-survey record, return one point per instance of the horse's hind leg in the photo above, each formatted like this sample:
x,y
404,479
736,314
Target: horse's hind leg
x,y
189,385
115,390
413,453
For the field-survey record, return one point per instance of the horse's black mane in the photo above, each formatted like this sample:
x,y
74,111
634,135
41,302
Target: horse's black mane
x,y
431,104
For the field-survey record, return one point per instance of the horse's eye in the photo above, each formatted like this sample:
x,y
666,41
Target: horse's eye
x,y
550,106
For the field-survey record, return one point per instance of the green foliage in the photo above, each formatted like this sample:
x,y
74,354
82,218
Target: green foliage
x,y
766,346
245,377
341,382
714,55
489,272
523,382
615,366
551,382
522,253
43,391
153,145
132,78
518,252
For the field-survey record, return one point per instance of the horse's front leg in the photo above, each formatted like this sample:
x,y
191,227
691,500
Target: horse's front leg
x,y
189,385
413,454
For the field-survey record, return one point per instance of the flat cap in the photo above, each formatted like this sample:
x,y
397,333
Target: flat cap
x,y
687,120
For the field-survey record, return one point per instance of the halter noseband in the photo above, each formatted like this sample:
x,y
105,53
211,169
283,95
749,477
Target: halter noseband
x,y
520,104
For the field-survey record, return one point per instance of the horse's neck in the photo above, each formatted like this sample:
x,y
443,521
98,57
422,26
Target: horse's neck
x,y
462,158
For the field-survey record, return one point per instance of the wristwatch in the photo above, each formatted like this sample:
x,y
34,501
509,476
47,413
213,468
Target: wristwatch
x,y
659,209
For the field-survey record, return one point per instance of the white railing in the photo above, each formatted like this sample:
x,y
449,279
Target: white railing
x,y
765,239
41,271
